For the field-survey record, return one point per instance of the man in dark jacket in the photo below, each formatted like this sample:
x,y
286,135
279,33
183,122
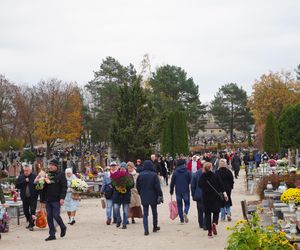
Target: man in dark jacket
x,y
29,194
236,165
181,180
197,196
149,189
139,166
54,194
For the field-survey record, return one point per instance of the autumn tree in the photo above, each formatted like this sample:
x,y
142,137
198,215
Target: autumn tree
x,y
9,116
271,93
230,110
27,108
58,112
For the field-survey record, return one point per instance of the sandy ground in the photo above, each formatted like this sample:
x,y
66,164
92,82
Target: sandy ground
x,y
90,231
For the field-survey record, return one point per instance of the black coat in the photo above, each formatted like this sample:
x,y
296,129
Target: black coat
x,y
227,178
56,190
21,184
211,200
164,169
148,186
236,163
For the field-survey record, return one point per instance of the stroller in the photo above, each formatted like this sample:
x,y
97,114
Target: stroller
x,y
4,221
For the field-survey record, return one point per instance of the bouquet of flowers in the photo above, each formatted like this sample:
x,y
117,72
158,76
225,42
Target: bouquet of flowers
x,y
291,194
122,181
272,163
79,186
283,162
42,179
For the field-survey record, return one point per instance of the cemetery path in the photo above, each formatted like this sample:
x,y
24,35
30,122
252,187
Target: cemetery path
x,y
90,231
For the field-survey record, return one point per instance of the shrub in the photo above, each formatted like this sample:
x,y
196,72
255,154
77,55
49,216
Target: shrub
x,y
28,156
249,235
289,179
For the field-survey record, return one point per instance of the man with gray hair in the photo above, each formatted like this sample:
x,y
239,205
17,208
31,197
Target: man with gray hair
x,y
25,183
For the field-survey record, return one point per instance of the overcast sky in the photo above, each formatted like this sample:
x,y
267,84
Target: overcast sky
x,y
216,42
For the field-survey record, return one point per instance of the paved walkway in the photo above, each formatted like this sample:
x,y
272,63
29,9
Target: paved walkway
x,y
90,231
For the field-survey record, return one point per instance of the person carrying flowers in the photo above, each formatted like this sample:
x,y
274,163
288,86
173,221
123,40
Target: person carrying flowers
x,y
70,204
122,183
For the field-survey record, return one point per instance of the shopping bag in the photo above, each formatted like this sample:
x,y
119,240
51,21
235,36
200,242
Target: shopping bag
x,y
103,204
173,209
41,219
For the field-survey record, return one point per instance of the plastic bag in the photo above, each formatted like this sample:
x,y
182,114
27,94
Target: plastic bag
x,y
173,209
41,220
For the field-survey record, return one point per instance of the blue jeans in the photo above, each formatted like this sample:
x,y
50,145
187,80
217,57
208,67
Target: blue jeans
x,y
146,214
186,199
109,208
224,211
118,214
53,212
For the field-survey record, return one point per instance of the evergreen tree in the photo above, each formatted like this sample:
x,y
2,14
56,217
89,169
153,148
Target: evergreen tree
x,y
167,143
175,134
289,127
298,72
171,91
230,110
104,89
180,134
132,129
271,135
250,144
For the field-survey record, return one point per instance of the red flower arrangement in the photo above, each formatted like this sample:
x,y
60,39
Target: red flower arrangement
x,y
122,181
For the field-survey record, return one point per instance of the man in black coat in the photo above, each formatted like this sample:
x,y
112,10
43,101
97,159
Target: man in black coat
x,y
149,189
236,165
25,183
54,194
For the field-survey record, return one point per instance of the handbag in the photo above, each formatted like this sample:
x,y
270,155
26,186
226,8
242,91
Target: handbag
x,y
173,209
41,219
103,204
220,194
108,191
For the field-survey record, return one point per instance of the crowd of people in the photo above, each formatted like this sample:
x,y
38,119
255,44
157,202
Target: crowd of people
x,y
207,179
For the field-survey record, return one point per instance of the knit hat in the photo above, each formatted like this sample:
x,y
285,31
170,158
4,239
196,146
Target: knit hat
x,y
123,165
54,162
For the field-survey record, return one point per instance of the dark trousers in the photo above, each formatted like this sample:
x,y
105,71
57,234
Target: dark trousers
x,y
201,216
29,208
208,218
236,173
166,178
53,212
145,216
